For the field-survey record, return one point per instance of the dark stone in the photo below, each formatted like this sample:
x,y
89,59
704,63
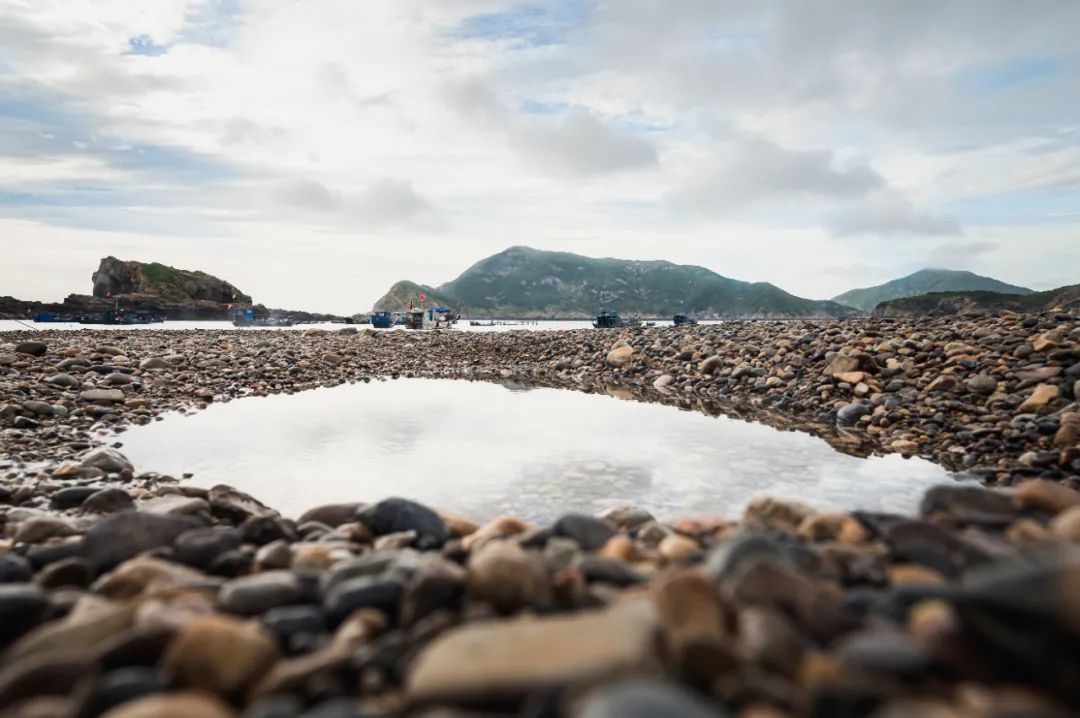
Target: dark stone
x,y
883,652
25,422
851,414
732,553
357,593
291,622
969,504
199,548
71,497
14,569
370,565
50,674
36,349
125,535
262,530
21,607
932,546
279,706
109,501
42,555
134,647
234,506
609,570
647,698
590,532
338,708
232,563
257,594
436,585
72,572
119,687
396,514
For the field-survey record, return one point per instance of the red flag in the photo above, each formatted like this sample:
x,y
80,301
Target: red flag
x,y
108,294
421,297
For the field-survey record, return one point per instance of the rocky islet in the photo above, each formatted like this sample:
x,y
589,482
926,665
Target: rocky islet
x,y
131,595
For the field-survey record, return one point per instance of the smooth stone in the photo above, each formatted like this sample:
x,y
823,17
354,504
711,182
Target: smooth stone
x,y
36,349
48,675
369,565
21,607
395,515
143,573
646,698
191,704
176,505
71,572
108,501
505,576
91,621
966,503
261,530
236,506
290,621
71,497
510,659
102,396
14,569
333,515
628,518
39,530
731,554
609,570
119,687
107,459
199,548
365,592
124,535
153,363
435,585
590,532
850,414
257,594
220,654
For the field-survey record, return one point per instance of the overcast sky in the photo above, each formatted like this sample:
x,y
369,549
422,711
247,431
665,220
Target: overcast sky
x,y
313,152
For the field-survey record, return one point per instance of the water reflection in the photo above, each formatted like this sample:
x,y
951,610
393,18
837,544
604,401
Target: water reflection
x,y
481,450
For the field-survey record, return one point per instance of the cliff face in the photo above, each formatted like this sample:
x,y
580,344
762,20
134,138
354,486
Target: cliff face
x,y
115,278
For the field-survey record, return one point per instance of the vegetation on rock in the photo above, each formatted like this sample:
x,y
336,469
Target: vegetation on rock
x,y
925,281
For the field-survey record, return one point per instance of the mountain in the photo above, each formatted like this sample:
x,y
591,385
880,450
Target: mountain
x,y
925,281
978,302
525,282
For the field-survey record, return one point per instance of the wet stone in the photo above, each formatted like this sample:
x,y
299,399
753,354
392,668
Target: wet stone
x,y
646,698
354,594
396,515
71,497
257,594
201,547
108,501
124,535
590,532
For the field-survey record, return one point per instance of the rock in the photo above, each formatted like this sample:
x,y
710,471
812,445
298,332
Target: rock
x,y
620,356
257,594
39,530
91,621
849,415
1043,395
108,501
221,655
176,505
909,448
692,621
1067,435
646,698
590,532
664,381
711,365
21,607
333,515
331,358
677,548
435,585
842,365
1066,525
71,497
395,515
142,574
102,396
201,547
504,575
153,363
981,384
355,594
173,705
236,506
107,459
121,686
945,382
508,660
14,569
628,518
1046,496
124,535
35,349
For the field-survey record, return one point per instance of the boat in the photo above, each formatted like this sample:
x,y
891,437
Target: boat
x,y
247,318
399,318
482,324
612,320
430,318
680,319
381,320
119,318
47,318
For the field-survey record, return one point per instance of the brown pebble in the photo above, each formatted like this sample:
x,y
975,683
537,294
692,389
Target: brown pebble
x,y
904,574
500,528
1027,531
676,548
187,704
1066,525
506,576
1045,496
692,620
618,547
221,654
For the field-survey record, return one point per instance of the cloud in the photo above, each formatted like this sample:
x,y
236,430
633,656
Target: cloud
x,y
889,214
384,203
758,171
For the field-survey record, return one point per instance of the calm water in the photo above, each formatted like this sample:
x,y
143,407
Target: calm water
x,y
9,325
486,449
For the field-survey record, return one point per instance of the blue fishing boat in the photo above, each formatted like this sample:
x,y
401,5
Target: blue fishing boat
x,y
247,318
680,319
612,320
381,320
48,318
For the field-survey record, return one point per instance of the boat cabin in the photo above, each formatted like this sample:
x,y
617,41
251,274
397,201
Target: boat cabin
x,y
430,318
683,319
381,320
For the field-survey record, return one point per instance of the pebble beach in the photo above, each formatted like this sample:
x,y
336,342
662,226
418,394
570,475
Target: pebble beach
x,y
128,594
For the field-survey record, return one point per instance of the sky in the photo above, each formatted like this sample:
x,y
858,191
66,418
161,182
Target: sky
x,y
313,152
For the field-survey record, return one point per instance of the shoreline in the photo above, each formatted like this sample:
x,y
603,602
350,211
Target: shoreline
x,y
130,596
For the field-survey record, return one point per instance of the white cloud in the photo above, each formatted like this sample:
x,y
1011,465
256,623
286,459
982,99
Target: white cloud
x,y
888,214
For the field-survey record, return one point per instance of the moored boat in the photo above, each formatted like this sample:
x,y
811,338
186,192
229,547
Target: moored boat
x,y
381,320
612,320
680,319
